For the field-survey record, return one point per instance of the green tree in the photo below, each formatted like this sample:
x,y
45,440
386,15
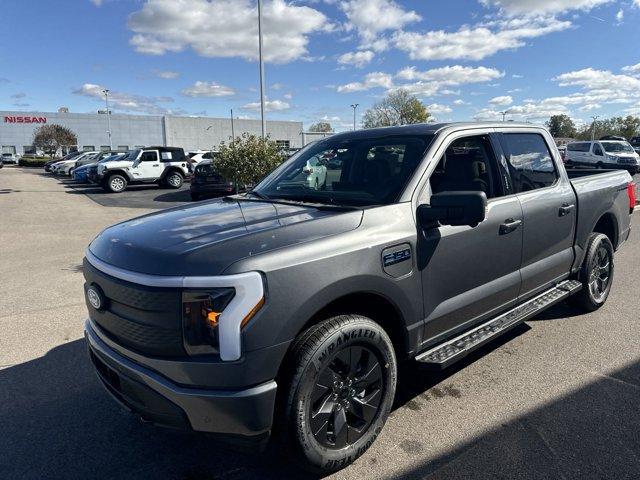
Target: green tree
x,y
397,108
321,127
50,138
561,126
626,127
248,159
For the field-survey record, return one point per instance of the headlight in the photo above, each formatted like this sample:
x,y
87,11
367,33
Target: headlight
x,y
201,311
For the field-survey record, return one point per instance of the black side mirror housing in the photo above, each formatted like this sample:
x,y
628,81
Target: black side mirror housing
x,y
454,208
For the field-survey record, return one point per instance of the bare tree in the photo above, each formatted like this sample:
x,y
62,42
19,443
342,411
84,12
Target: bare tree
x,y
321,127
50,138
397,108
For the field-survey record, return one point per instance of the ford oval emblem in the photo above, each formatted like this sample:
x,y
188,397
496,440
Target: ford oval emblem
x,y
95,297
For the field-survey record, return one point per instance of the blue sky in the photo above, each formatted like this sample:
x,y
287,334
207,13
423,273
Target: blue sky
x,y
466,59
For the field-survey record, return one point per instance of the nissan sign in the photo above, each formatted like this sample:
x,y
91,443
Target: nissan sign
x,y
13,119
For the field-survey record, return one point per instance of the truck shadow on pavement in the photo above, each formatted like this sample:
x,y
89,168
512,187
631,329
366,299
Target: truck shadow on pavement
x,y
58,422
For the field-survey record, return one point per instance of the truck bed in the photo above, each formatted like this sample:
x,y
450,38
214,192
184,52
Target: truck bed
x,y
600,193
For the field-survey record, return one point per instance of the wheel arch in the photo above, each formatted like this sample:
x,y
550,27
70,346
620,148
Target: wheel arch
x,y
172,169
118,171
607,224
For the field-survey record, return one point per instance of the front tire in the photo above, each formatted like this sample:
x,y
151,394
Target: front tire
x,y
116,183
341,391
596,274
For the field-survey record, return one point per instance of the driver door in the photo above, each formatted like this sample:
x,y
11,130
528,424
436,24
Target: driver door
x,y
470,274
149,166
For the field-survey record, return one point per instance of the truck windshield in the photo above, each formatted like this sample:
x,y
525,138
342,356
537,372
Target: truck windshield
x,y
350,172
617,147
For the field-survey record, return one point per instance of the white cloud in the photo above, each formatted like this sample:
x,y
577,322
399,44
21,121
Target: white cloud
x,y
437,108
287,96
590,106
167,74
517,76
358,59
620,16
437,81
601,81
632,69
126,101
373,17
371,80
537,7
459,102
501,101
451,75
207,89
97,3
225,28
476,42
270,106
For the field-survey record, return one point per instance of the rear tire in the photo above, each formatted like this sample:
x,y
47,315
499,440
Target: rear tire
x,y
596,274
174,180
116,183
340,392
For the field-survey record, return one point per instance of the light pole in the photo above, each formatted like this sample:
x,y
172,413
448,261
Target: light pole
x,y
264,121
504,114
233,133
106,101
354,106
593,127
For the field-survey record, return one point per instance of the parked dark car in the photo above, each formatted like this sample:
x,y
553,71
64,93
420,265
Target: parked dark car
x,y
290,307
635,143
207,182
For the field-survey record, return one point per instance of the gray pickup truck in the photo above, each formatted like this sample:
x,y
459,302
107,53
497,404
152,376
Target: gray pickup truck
x,y
290,306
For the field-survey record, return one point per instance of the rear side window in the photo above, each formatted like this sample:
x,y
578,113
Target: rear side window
x,y
530,161
579,147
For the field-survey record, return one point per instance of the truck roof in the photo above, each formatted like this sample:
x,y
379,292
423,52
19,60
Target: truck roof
x,y
429,128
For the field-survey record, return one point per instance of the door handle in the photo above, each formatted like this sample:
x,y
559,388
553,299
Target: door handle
x,y
156,164
509,225
566,209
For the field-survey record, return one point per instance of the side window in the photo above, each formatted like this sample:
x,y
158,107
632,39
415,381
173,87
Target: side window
x,y
530,161
149,157
469,164
597,150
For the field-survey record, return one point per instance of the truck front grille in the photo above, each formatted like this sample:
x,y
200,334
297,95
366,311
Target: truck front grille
x,y
145,319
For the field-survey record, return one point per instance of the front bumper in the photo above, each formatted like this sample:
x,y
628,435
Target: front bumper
x,y
241,413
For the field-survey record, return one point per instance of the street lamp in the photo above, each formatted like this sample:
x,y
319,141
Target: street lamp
x,y
106,101
264,121
354,106
593,127
504,114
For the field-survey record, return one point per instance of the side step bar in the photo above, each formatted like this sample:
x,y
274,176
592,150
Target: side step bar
x,y
459,347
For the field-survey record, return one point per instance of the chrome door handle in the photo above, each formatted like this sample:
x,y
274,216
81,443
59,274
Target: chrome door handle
x,y
509,225
566,209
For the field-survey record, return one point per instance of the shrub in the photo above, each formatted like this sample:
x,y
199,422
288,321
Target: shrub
x,y
33,161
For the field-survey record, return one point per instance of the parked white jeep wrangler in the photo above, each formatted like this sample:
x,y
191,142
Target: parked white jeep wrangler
x,y
165,166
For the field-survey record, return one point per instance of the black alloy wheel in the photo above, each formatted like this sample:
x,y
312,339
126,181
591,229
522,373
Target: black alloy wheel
x,y
339,392
346,397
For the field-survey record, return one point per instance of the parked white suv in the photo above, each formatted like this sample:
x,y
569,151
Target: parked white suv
x,y
165,166
604,154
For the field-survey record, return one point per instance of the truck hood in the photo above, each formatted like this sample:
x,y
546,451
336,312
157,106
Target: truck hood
x,y
204,239
117,164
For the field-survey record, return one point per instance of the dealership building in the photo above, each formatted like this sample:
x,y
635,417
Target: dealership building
x,y
131,131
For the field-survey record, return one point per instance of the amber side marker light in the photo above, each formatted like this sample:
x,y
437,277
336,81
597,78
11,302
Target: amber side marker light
x,y
253,311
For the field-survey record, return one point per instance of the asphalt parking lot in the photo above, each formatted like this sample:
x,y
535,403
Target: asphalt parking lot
x,y
558,398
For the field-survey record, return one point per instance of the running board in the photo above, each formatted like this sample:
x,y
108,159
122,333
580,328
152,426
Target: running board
x,y
459,347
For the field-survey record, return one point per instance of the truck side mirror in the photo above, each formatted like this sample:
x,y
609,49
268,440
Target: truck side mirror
x,y
454,208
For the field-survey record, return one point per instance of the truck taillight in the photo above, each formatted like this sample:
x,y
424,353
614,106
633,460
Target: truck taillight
x,y
631,192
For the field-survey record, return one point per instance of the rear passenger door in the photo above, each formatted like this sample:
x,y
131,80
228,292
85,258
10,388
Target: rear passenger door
x,y
548,206
470,273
